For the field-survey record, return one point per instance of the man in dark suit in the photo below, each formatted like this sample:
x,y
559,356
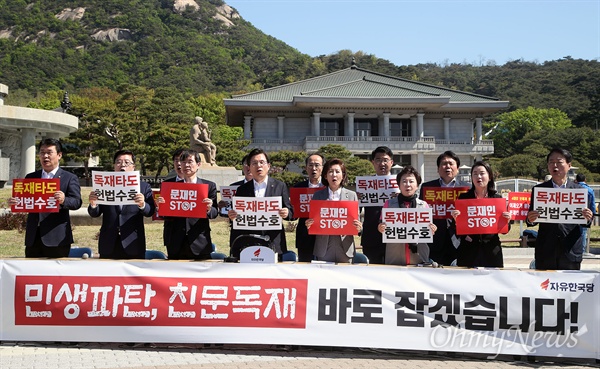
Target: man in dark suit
x,y
49,234
443,250
189,238
304,242
558,246
371,240
223,205
264,186
122,235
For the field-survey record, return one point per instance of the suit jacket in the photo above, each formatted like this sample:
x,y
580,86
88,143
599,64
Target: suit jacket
x,y
321,242
275,187
303,239
128,220
442,250
179,231
484,250
557,239
55,228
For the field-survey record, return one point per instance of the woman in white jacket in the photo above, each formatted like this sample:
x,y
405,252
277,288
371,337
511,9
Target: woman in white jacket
x,y
402,253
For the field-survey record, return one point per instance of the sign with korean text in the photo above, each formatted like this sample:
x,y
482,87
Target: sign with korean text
x,y
227,194
560,205
183,199
441,200
257,213
502,312
375,190
116,188
407,225
132,301
481,216
333,217
518,204
35,195
300,198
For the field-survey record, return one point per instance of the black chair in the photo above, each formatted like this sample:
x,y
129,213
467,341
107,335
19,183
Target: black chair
x,y
155,255
360,258
79,252
289,256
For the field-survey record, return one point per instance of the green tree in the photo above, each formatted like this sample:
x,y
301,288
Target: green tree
x,y
515,125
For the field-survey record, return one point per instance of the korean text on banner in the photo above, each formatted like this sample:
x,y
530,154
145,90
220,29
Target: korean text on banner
x,y
518,204
333,217
441,199
407,225
481,216
35,195
183,199
116,188
300,198
257,213
375,190
560,205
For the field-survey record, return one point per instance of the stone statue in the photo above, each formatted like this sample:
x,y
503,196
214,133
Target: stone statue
x,y
200,140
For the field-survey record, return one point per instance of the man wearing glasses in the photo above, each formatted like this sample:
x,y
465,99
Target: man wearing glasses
x,y
189,238
49,234
304,242
371,240
122,235
264,186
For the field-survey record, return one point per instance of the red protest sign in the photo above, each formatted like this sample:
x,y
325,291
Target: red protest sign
x,y
481,216
333,217
518,204
183,199
35,195
300,198
441,199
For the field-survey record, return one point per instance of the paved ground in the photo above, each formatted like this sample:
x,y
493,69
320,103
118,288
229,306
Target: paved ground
x,y
38,355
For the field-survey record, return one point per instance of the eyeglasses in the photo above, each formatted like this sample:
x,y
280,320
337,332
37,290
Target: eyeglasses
x,y
124,162
382,161
556,162
49,153
188,162
259,162
316,165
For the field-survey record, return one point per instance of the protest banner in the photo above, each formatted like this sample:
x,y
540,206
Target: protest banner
x,y
300,198
375,190
407,225
257,213
116,188
333,217
441,200
518,204
502,312
481,216
227,194
35,195
560,205
183,199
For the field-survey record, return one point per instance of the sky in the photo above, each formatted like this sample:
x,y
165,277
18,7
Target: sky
x,y
408,32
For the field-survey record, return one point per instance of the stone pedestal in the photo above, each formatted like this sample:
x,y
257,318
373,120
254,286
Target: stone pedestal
x,y
222,176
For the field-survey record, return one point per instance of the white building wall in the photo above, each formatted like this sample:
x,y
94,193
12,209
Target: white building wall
x,y
460,129
297,127
265,127
434,127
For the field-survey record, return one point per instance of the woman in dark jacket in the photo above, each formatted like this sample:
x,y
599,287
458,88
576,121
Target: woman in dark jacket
x,y
480,250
